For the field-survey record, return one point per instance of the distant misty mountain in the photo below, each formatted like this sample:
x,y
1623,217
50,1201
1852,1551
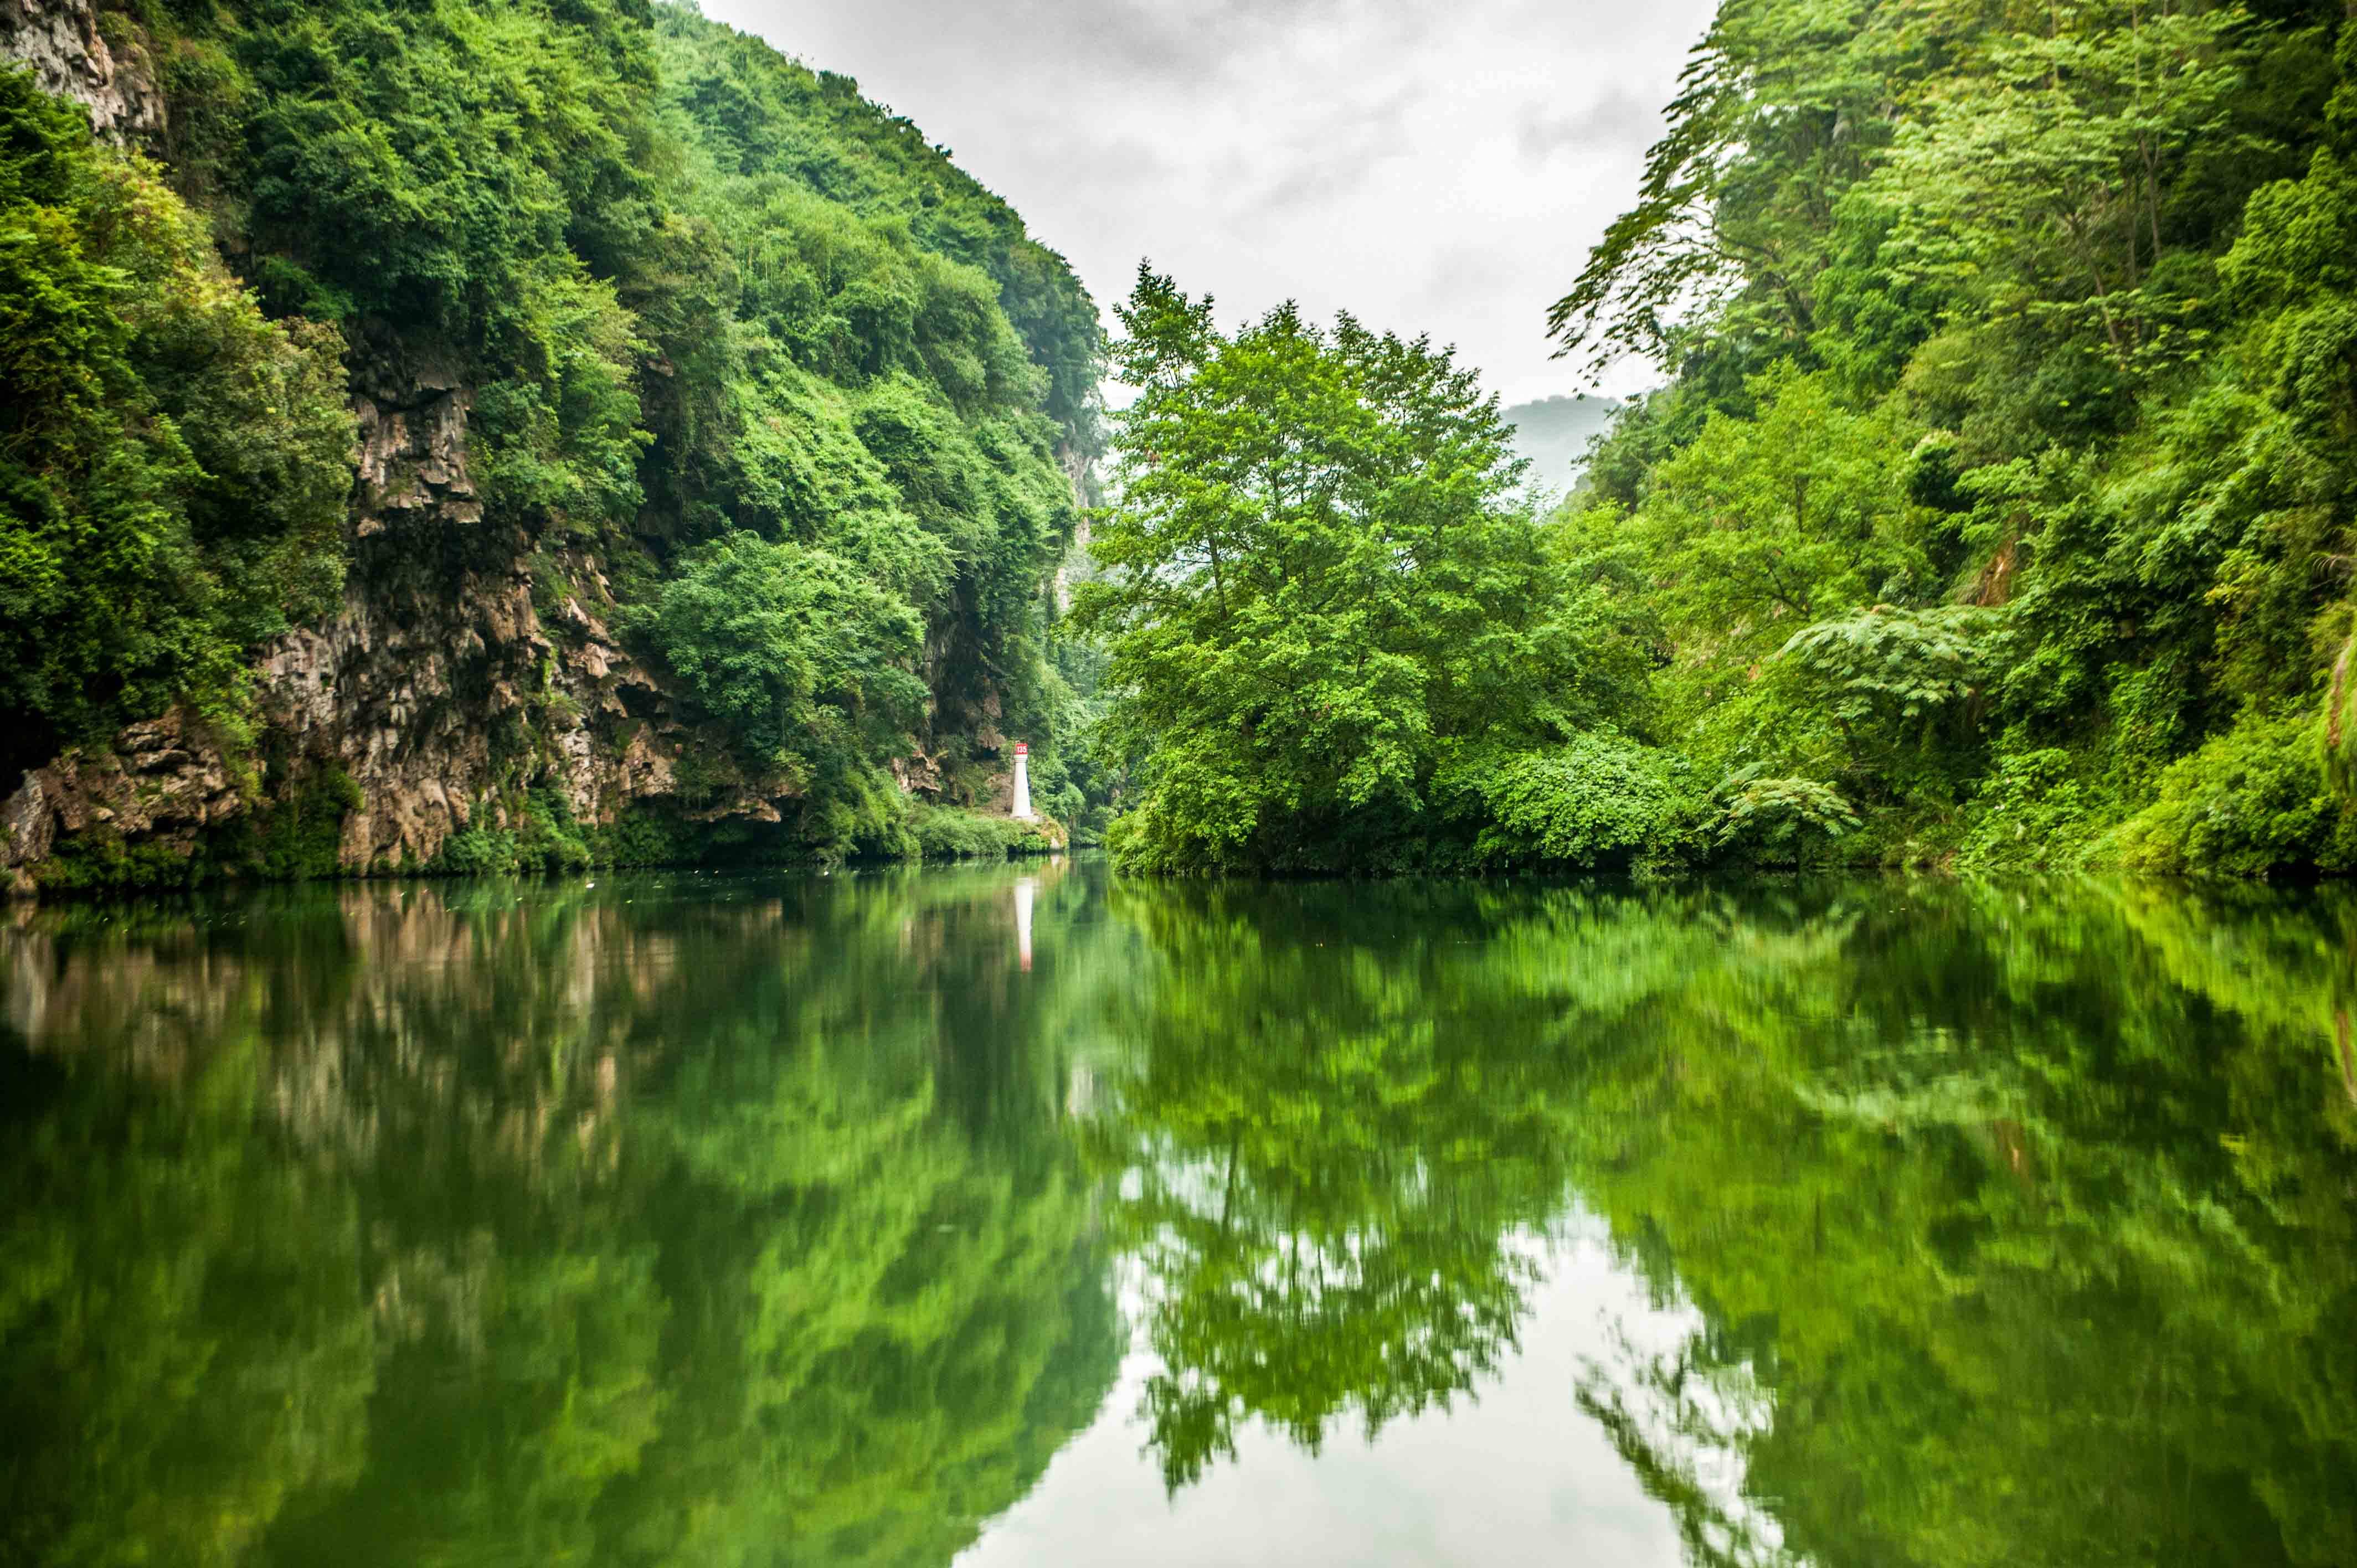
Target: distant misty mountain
x,y
1553,433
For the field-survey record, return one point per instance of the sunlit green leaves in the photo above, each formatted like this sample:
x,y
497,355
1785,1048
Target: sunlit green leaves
x,y
804,655
1317,583
173,465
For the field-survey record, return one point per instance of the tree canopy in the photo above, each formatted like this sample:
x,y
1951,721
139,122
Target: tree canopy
x,y
1325,606
1999,486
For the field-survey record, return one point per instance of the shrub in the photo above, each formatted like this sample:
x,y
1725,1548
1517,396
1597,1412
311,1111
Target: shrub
x,y
1597,798
173,466
1781,822
2032,811
2341,722
2249,803
944,833
798,653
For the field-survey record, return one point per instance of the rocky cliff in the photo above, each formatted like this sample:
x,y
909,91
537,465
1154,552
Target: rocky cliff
x,y
466,661
472,682
69,55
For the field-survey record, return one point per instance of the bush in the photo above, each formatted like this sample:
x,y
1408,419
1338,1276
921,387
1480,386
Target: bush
x,y
2341,723
2249,803
1597,798
1782,821
2032,811
944,833
803,657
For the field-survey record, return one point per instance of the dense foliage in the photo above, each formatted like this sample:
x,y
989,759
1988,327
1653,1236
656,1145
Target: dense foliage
x,y
1998,509
1329,615
727,328
2004,485
173,465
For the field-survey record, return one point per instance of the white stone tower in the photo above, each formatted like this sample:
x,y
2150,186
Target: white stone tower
x,y
1023,782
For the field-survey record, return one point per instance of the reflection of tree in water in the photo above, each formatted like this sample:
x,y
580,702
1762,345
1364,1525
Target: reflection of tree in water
x,y
470,1225
1332,1140
182,1347
2019,1232
2032,1220
545,1227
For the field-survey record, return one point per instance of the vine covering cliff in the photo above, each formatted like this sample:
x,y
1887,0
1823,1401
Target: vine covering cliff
x,y
482,433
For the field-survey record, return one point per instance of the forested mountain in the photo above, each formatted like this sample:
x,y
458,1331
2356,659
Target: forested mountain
x,y
2003,488
1553,434
488,432
1997,511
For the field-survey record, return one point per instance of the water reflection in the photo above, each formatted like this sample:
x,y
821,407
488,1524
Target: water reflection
x,y
784,1221
525,1225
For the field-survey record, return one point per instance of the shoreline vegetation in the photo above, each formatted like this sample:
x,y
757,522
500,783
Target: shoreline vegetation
x,y
271,849
491,434
1997,511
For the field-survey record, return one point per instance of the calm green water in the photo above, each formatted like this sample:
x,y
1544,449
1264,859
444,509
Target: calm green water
x,y
1042,1217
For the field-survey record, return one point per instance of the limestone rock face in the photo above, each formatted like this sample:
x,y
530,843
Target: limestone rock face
x,y
439,687
60,41
444,681
160,783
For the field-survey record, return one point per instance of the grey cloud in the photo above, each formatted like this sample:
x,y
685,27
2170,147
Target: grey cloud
x,y
1332,156
1135,39
1620,122
1431,167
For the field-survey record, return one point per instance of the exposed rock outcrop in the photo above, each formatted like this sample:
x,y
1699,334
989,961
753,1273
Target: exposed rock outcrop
x,y
469,664
161,783
69,57
439,690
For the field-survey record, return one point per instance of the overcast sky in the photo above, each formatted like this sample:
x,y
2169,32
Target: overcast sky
x,y
1434,165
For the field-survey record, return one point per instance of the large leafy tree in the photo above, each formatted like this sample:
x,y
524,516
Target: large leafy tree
x,y
1318,588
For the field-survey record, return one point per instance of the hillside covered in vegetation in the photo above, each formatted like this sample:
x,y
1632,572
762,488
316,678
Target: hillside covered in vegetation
x,y
482,433
2005,486
1997,511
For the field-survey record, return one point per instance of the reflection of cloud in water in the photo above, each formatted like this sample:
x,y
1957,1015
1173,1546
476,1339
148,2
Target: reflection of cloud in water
x,y
1516,1474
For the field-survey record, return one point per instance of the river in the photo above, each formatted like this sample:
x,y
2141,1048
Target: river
x,y
1035,1216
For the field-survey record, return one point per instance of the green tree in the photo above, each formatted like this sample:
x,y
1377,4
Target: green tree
x,y
1318,588
805,657
2048,302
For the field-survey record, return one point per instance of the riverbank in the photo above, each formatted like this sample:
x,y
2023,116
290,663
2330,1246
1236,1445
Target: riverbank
x,y
298,840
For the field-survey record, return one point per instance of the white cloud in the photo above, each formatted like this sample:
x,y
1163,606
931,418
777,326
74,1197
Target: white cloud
x,y
1432,169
